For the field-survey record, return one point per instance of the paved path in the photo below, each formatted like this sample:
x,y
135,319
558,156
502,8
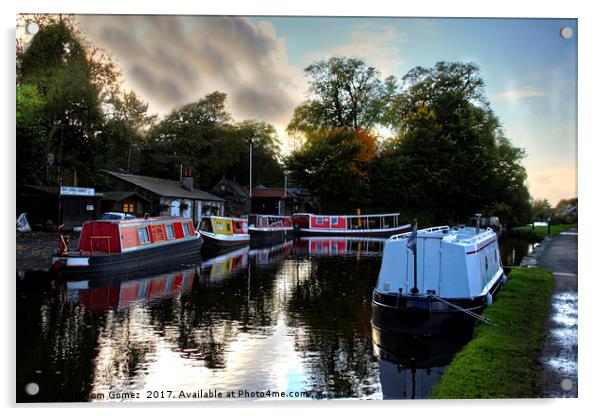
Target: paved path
x,y
559,355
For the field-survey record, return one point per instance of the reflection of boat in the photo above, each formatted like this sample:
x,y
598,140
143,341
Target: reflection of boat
x,y
224,231
270,254
410,365
338,246
458,272
225,262
372,225
103,294
270,227
110,246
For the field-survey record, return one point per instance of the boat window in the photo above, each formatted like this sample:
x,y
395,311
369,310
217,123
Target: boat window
x,y
335,221
186,229
320,220
143,235
237,226
170,232
228,227
486,263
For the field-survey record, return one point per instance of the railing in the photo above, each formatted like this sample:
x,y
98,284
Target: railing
x,y
424,230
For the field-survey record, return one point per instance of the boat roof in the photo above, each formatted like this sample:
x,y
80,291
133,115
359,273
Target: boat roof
x,y
144,220
458,235
164,187
390,214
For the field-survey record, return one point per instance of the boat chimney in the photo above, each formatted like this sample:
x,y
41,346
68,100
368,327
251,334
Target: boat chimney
x,y
186,181
478,216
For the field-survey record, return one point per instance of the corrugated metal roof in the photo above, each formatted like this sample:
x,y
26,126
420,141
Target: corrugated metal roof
x,y
165,187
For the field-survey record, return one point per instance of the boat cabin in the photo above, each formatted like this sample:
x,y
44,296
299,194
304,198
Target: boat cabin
x,y
118,236
451,263
224,226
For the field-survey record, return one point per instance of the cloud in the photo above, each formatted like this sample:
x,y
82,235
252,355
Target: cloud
x,y
173,60
378,46
520,93
553,184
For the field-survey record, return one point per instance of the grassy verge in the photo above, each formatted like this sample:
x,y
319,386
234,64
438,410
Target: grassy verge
x,y
502,361
543,230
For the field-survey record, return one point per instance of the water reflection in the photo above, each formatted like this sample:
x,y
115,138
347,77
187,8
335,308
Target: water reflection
x,y
293,317
410,365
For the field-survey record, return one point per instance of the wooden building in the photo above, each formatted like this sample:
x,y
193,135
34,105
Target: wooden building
x,y
166,196
237,198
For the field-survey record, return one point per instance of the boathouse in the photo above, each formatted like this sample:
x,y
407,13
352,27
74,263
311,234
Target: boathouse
x,y
237,198
271,200
167,196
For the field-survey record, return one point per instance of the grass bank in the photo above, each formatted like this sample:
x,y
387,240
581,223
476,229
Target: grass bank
x,y
502,361
542,231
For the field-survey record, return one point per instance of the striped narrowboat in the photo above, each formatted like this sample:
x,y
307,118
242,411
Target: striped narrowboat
x,y
372,225
221,232
116,246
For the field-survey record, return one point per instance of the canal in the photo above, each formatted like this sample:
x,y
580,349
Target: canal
x,y
291,320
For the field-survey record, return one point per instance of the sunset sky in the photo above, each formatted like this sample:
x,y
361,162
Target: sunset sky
x,y
530,71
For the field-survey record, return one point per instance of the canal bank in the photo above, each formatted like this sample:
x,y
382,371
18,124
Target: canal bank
x,y
502,360
535,355
560,349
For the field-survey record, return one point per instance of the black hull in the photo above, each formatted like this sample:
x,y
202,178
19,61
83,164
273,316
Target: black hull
x,y
261,238
414,315
215,244
145,260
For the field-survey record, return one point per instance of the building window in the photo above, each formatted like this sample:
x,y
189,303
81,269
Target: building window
x,y
186,229
128,207
170,232
143,235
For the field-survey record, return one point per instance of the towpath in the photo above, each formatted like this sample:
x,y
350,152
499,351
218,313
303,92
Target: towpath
x,y
559,355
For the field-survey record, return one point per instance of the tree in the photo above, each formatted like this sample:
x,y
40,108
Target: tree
x,y
31,146
333,164
202,135
343,92
541,209
127,123
450,157
71,78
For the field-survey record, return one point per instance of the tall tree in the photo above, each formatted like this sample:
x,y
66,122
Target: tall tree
x,y
343,92
127,124
71,78
450,155
333,165
202,135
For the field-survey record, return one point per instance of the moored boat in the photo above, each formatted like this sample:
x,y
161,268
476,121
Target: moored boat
x,y
222,232
371,225
117,246
436,280
270,228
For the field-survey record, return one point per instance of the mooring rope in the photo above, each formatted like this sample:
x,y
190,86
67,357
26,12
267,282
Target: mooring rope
x,y
466,311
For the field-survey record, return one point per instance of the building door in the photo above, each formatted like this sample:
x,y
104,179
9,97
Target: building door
x,y
175,208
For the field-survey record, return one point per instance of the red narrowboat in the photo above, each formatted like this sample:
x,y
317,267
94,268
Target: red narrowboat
x,y
113,246
371,225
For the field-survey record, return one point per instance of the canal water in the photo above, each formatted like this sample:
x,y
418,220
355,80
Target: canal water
x,y
288,321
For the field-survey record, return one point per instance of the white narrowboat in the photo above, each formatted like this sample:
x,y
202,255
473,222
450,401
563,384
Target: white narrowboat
x,y
435,279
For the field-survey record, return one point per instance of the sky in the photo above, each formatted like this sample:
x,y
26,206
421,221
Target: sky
x,y
529,69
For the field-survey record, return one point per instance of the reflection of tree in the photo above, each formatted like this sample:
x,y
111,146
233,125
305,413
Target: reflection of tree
x,y
56,347
334,306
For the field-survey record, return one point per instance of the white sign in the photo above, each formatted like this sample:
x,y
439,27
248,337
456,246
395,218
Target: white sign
x,y
72,190
89,207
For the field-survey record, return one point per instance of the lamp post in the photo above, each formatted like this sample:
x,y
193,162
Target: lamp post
x,y
251,168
